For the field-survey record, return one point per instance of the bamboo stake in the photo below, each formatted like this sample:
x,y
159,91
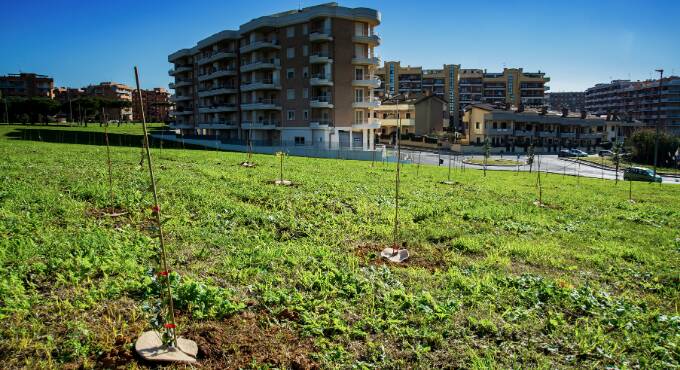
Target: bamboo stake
x,y
157,212
108,157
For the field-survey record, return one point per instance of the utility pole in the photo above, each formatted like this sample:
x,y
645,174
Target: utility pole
x,y
658,121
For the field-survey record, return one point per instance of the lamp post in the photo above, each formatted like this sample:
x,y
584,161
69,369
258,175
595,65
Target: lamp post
x,y
658,121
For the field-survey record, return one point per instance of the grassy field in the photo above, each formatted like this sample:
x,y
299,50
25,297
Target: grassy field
x,y
289,276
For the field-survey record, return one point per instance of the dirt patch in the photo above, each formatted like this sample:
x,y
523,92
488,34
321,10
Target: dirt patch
x,y
428,258
287,183
105,213
250,340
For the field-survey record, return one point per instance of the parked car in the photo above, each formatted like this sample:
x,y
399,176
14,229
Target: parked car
x,y
578,153
640,174
565,153
605,153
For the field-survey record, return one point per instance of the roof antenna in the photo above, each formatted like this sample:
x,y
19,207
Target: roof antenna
x,y
299,5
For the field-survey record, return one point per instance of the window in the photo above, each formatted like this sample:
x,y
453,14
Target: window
x,y
408,115
290,94
290,31
359,95
290,53
299,140
305,72
305,115
291,115
290,73
305,50
358,116
359,74
477,126
305,29
305,93
384,115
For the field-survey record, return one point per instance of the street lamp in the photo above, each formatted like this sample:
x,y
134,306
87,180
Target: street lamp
x,y
658,121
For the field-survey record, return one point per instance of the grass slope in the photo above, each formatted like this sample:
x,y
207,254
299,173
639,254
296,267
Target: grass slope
x,y
289,276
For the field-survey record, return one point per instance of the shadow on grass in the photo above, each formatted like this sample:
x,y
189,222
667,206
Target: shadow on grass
x,y
95,138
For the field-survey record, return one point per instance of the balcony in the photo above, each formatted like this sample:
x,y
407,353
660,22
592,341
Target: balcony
x,y
218,125
320,80
217,91
262,104
567,135
180,69
319,58
217,55
499,131
315,123
373,40
218,108
371,123
547,134
261,64
260,85
371,83
368,103
262,125
320,35
217,74
591,136
176,98
321,102
372,61
260,44
181,125
180,83
394,122
183,113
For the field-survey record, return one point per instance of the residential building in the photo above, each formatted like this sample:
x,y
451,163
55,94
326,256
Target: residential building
x,y
516,127
419,114
574,101
639,100
115,92
66,94
303,76
461,87
156,104
26,85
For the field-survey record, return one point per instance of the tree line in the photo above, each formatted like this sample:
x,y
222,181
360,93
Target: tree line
x,y
42,109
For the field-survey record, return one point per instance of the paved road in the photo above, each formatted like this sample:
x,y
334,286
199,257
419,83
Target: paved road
x,y
549,163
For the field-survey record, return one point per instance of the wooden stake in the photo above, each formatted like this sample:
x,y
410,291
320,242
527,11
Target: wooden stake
x,y
157,212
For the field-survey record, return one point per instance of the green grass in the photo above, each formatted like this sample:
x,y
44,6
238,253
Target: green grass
x,y
285,276
494,162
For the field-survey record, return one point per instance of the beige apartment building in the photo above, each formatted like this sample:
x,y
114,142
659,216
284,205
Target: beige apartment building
x,y
302,77
156,105
516,127
419,114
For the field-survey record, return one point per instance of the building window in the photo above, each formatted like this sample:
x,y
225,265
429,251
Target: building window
x,y
477,126
290,94
290,31
299,140
305,115
408,115
305,93
384,115
290,53
358,116
290,73
305,50
291,115
305,29
305,72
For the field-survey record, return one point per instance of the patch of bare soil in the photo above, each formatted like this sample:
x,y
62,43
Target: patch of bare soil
x,y
428,258
248,340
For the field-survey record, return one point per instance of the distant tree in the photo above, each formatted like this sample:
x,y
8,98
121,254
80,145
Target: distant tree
x,y
642,144
617,149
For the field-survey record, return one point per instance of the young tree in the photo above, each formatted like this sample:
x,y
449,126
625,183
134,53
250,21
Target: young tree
x,y
487,153
530,157
616,159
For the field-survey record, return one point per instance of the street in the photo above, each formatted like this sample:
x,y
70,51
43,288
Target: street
x,y
549,163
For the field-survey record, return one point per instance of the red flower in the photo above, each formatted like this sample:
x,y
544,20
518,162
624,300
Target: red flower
x,y
155,209
169,326
163,273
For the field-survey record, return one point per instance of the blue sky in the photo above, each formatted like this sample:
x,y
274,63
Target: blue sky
x,y
578,43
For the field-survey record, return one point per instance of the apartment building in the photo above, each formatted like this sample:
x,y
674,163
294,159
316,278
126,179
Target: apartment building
x,y
511,127
640,100
461,87
302,77
113,91
27,85
156,104
574,101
